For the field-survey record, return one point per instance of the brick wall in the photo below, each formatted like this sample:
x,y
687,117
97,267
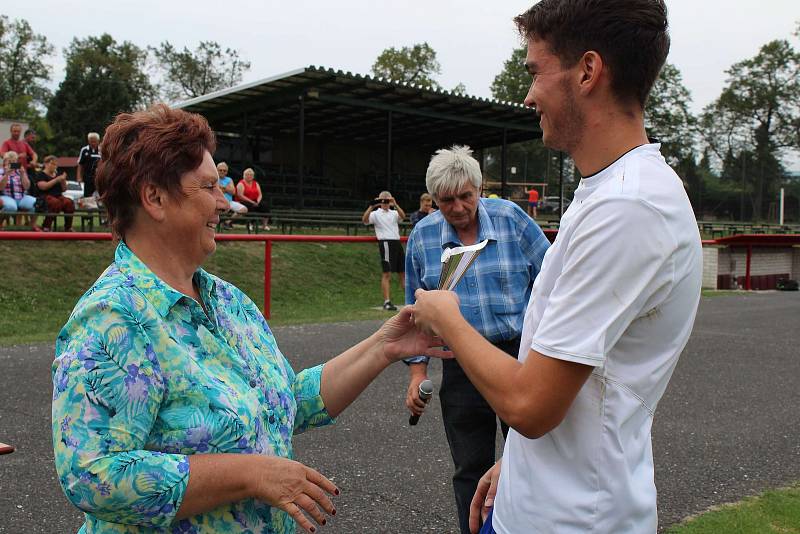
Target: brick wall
x,y
710,266
764,261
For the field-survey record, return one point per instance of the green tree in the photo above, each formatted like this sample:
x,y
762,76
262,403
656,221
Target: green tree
x,y
460,89
416,64
513,82
24,72
102,78
759,112
667,115
189,74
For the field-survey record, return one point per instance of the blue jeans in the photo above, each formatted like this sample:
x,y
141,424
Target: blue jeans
x,y
471,426
487,526
10,205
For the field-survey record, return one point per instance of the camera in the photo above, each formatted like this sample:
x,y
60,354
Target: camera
x,y
14,166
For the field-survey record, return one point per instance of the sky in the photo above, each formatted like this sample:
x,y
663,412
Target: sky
x,y
472,38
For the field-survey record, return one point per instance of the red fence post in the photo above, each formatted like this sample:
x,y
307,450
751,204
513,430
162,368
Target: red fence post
x,y
747,267
267,278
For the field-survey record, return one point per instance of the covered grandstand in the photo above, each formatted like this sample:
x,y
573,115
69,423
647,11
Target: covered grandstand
x,y
321,138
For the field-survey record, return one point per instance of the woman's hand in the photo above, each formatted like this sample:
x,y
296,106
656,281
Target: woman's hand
x,y
402,338
295,488
432,306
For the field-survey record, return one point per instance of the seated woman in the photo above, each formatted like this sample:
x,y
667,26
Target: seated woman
x,y
228,189
14,184
248,192
49,187
173,408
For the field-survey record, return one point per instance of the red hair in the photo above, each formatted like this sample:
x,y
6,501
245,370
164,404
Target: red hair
x,y
156,146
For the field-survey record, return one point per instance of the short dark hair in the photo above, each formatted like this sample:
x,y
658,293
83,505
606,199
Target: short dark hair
x,y
28,132
630,35
156,146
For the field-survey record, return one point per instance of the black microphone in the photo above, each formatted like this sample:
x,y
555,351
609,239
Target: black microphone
x,y
425,394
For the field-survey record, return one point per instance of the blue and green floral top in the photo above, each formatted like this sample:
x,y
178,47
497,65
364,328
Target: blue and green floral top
x,y
143,378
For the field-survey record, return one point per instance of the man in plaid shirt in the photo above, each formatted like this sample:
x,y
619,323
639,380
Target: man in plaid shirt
x,y
493,293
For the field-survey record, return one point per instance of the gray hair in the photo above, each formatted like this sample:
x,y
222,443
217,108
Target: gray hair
x,y
450,169
93,135
11,156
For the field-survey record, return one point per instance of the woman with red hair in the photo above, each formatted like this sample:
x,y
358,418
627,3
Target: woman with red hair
x,y
173,408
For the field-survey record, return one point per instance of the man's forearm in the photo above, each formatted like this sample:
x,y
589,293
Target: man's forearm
x,y
534,397
365,216
489,368
418,370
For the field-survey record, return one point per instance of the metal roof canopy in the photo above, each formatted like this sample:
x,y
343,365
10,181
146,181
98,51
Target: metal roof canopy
x,y
342,105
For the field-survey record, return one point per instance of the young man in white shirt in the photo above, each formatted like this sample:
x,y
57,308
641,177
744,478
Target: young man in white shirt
x,y
616,299
385,215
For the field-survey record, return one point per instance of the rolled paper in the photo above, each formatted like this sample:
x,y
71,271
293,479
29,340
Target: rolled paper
x,y
456,261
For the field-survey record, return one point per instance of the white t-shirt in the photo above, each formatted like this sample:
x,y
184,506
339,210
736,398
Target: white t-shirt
x,y
618,291
385,222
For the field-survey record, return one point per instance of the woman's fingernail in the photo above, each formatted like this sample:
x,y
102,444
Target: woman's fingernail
x,y
336,491
333,512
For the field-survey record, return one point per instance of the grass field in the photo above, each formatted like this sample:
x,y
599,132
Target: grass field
x,y
312,282
776,511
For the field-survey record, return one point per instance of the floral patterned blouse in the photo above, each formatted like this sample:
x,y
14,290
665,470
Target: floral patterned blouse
x,y
143,378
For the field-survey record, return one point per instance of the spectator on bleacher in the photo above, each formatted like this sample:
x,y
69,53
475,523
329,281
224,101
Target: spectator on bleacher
x,y
384,213
14,184
48,187
88,158
533,202
425,208
30,137
248,192
228,189
173,408
27,156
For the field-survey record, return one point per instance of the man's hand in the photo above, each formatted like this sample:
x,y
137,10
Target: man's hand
x,y
483,500
431,306
414,404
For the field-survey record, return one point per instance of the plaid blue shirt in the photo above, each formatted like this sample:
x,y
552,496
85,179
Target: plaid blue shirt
x,y
495,290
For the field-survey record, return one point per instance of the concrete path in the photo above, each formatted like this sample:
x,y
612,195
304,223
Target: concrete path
x,y
728,426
